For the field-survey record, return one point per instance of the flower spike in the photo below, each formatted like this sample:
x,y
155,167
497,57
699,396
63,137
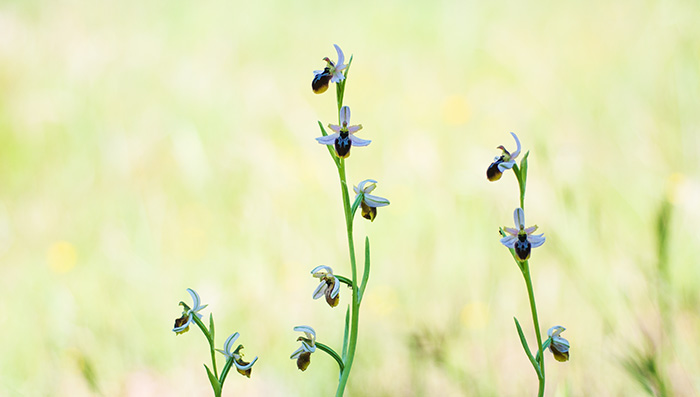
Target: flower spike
x,y
182,324
344,137
503,162
308,346
369,202
332,73
559,346
521,238
329,286
244,368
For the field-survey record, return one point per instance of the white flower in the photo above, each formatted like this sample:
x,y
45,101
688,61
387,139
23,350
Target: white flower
x,y
182,324
333,73
521,239
559,346
308,346
503,162
369,201
243,368
344,137
329,285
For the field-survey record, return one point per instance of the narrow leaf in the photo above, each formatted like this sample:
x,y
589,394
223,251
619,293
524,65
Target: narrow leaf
x,y
347,333
527,349
330,150
211,326
214,382
365,275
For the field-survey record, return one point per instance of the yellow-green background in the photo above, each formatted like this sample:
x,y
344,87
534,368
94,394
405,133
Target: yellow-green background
x,y
148,147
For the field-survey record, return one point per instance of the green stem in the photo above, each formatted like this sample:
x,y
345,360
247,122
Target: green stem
x,y
211,342
224,372
355,317
536,322
331,353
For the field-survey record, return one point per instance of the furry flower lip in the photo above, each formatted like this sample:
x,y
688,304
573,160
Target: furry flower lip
x,y
559,346
344,137
521,238
243,368
332,73
308,346
369,202
503,162
182,324
329,286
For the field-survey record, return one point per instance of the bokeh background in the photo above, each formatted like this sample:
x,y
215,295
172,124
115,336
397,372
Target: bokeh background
x,y
148,147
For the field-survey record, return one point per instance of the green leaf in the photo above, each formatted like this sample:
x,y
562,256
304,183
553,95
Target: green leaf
x,y
347,333
527,349
522,179
330,149
211,325
355,205
214,382
365,274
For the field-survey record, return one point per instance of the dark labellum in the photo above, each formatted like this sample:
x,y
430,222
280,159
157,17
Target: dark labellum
x,y
493,173
332,302
368,212
303,361
320,81
522,247
343,145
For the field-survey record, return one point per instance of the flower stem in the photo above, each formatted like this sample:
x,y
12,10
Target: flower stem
x,y
211,342
355,316
331,353
536,323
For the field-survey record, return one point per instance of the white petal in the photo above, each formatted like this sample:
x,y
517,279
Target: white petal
x,y
512,231
328,139
555,330
338,76
354,128
224,353
530,230
318,273
297,352
310,333
517,151
506,165
245,367
509,241
229,342
320,290
335,128
367,189
336,288
536,240
519,218
560,344
358,141
341,56
307,347
375,201
344,116
195,297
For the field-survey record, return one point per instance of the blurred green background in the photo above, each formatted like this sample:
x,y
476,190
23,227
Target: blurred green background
x,y
148,147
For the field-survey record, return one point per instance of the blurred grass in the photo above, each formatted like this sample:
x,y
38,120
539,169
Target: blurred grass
x,y
150,147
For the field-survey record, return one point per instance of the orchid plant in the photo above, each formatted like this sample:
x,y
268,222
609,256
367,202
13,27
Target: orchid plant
x,y
520,240
234,357
339,144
